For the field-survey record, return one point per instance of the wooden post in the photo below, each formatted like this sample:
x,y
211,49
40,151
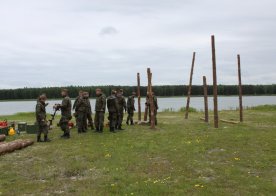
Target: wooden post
x,y
190,87
139,97
215,88
146,106
240,89
152,119
205,90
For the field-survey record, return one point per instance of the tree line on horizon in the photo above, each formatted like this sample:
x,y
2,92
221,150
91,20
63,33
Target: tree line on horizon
x,y
161,91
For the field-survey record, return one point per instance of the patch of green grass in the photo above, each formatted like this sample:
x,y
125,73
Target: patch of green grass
x,y
180,157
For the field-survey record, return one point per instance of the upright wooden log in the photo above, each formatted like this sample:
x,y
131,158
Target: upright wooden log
x,y
215,88
205,91
152,119
146,106
240,88
190,87
139,96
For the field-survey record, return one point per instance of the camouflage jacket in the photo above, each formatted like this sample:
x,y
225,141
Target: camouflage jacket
x,y
112,104
155,103
75,102
131,103
88,106
81,105
40,111
100,103
121,103
65,107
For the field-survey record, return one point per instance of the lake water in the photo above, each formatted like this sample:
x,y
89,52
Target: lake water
x,y
173,103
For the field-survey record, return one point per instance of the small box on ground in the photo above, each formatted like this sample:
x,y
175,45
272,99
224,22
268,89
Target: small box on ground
x,y
32,129
4,130
22,127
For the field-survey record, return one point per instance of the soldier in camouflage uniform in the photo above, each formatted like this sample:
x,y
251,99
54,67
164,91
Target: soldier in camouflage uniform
x,y
113,109
40,111
155,104
100,110
66,116
122,108
88,111
74,105
130,108
81,108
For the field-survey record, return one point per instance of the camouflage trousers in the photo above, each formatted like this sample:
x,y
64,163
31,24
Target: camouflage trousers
x,y
120,118
63,123
42,128
130,116
90,121
99,120
82,121
112,119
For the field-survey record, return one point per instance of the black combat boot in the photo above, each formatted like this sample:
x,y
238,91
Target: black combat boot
x,y
67,136
62,136
132,122
112,130
46,139
120,127
100,130
39,139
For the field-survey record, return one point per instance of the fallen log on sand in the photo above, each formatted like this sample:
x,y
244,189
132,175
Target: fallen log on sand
x,y
9,147
2,138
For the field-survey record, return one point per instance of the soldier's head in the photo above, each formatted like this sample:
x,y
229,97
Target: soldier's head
x,y
85,94
121,91
64,92
98,91
134,94
42,98
113,92
80,93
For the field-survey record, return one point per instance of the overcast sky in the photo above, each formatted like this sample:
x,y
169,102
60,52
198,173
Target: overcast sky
x,y
98,42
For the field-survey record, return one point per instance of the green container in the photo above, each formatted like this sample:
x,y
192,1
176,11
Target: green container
x,y
4,130
22,127
32,129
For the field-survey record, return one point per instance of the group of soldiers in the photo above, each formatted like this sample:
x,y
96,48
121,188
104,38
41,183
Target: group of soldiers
x,y
115,103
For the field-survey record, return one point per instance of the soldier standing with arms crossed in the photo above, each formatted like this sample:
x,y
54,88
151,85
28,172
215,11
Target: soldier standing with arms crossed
x,y
130,108
40,111
113,109
122,108
100,110
66,116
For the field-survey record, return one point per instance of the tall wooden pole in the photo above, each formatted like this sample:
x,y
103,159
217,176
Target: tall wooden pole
x,y
215,88
139,96
240,88
205,90
190,87
146,106
152,119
